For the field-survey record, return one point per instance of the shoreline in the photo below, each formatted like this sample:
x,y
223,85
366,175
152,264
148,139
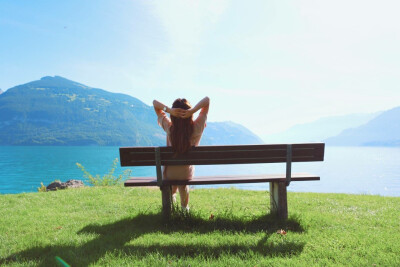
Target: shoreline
x,y
207,188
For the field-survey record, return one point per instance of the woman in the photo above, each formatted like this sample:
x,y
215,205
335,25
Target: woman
x,y
182,134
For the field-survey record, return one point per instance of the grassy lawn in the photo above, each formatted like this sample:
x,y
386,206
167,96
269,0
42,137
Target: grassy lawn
x,y
116,226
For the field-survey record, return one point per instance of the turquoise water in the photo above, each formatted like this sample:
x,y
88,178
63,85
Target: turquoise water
x,y
357,170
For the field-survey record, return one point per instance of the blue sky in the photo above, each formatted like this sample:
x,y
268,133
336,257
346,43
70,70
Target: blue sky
x,y
265,64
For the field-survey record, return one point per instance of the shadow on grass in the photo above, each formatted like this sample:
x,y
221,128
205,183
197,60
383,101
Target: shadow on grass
x,y
113,238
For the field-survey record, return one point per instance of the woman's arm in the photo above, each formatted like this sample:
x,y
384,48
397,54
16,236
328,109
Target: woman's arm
x,y
159,109
203,105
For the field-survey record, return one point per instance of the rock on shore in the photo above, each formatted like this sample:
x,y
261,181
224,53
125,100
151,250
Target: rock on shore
x,y
56,185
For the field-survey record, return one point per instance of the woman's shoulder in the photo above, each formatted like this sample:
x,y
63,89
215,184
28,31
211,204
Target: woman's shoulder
x,y
164,121
202,118
200,123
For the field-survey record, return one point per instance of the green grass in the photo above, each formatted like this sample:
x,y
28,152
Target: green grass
x,y
116,226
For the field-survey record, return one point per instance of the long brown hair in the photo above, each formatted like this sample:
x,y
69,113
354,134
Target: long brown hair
x,y
181,129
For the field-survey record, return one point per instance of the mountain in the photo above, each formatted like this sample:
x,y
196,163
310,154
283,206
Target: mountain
x,y
384,130
228,133
320,129
1,91
58,111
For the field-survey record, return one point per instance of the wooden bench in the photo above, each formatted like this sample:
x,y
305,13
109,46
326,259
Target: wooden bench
x,y
211,155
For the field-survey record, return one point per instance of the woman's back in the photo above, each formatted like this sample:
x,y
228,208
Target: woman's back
x,y
182,172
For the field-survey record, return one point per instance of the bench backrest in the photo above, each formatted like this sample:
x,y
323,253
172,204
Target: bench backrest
x,y
210,155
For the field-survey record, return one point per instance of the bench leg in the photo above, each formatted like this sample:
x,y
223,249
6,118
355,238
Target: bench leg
x,y
166,201
278,198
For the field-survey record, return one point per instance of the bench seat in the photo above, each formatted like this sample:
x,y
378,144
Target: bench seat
x,y
223,179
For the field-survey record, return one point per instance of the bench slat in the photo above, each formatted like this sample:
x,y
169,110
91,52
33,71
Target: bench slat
x,y
223,179
210,155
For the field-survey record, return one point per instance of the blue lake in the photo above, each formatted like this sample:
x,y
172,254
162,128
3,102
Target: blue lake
x,y
355,170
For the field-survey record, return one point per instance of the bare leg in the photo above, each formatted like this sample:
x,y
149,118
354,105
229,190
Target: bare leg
x,y
173,193
184,193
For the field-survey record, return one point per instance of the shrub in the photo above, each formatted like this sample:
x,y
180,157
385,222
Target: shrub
x,y
108,178
42,188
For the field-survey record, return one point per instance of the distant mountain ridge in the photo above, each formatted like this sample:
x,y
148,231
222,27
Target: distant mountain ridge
x,y
383,130
58,111
374,129
321,129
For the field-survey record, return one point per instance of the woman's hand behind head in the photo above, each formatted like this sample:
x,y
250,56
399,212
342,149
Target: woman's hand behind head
x,y
187,113
177,112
